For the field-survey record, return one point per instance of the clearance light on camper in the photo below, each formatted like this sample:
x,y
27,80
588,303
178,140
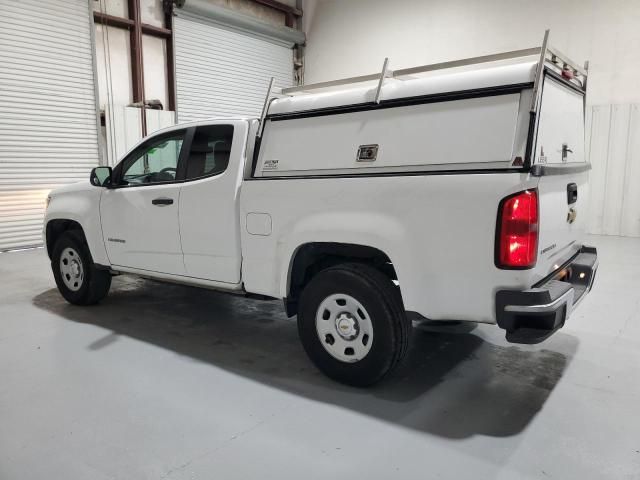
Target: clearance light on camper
x,y
517,235
567,73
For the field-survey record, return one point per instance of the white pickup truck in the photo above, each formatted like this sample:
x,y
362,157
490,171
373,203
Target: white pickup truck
x,y
458,196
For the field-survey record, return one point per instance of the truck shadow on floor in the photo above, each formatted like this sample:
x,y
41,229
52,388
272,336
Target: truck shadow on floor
x,y
452,385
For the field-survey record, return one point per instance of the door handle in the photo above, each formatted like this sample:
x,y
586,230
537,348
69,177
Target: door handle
x,y
162,201
572,193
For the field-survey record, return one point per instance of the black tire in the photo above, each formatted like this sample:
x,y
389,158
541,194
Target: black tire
x,y
94,284
383,304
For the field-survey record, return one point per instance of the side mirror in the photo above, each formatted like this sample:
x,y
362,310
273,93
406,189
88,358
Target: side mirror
x,y
101,177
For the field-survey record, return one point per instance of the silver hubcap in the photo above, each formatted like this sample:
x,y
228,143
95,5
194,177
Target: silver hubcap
x,y
344,328
71,269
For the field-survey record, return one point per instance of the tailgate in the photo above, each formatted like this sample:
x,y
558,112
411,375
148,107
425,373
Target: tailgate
x,y
560,164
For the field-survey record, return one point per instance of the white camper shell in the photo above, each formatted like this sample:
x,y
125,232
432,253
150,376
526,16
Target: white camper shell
x,y
465,120
473,120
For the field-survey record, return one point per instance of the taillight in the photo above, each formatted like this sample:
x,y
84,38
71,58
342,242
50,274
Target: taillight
x,y
517,235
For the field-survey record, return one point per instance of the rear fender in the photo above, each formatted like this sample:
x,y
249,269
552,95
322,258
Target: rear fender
x,y
357,228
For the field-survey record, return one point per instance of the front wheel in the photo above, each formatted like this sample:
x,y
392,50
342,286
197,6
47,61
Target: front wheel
x,y
77,278
352,324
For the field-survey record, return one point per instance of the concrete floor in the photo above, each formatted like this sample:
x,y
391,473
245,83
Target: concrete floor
x,y
163,381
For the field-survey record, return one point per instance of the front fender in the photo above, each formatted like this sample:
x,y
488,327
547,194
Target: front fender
x,y
82,205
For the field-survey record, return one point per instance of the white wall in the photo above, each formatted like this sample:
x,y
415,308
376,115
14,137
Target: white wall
x,y
113,63
113,59
154,59
615,155
124,129
352,37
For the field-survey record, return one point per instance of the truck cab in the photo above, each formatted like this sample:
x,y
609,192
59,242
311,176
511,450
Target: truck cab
x,y
172,206
169,209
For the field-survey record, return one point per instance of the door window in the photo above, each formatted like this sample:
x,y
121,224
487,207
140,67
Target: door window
x,y
154,162
210,151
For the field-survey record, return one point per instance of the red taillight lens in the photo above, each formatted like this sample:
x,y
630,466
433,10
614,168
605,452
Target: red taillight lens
x,y
517,239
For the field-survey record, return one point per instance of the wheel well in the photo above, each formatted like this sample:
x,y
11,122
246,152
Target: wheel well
x,y
55,228
311,258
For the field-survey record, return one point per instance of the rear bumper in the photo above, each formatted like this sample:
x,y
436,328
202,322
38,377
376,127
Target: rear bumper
x,y
532,315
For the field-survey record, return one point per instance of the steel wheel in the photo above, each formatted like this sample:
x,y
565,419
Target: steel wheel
x,y
344,328
71,269
339,311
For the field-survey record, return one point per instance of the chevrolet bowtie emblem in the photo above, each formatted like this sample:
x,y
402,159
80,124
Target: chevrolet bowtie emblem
x,y
571,216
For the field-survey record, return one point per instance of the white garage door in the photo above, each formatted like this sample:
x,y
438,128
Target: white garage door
x,y
48,130
222,72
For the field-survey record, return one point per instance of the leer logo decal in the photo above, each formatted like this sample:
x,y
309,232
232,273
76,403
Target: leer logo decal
x,y
270,165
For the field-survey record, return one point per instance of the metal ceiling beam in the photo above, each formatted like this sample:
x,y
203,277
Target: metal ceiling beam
x,y
217,14
290,13
283,7
128,24
112,21
137,65
155,31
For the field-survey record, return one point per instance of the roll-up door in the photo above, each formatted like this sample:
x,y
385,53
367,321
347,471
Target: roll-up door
x,y
48,128
224,72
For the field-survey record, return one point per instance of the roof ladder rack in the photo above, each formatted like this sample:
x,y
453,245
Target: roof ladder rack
x,y
265,106
535,98
545,52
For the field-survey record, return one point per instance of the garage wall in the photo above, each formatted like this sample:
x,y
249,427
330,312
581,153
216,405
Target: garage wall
x,y
48,132
615,152
113,58
352,37
113,64
255,9
124,128
225,58
222,72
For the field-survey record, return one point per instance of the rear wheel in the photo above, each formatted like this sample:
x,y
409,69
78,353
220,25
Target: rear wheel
x,y
77,278
352,324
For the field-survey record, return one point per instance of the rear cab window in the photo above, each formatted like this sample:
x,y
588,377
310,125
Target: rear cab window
x,y
210,151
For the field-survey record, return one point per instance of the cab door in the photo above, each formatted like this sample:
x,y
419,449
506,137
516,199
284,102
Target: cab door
x,y
209,202
139,214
